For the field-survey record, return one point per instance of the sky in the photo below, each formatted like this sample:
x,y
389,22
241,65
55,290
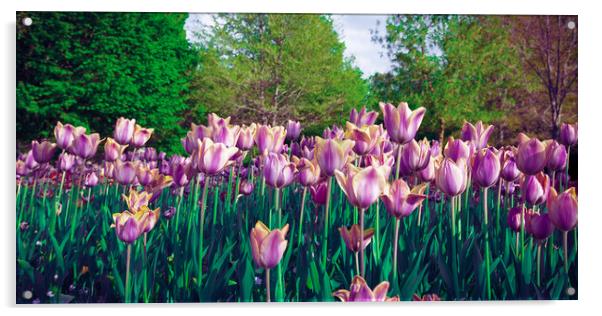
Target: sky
x,y
354,30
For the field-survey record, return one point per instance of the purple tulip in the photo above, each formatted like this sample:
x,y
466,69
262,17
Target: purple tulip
x,y
278,171
509,170
568,134
169,213
361,292
180,170
141,136
318,192
267,246
538,225
91,179
414,156
457,150
535,188
21,168
124,130
401,122
563,209
353,237
362,186
30,162
129,226
42,152
531,157
66,161
477,134
384,160
144,175
362,117
190,142
245,137
113,150
125,172
451,177
435,148
246,187
486,167
332,154
226,134
400,201
556,156
333,133
428,173
85,146
514,219
308,171
269,139
211,158
293,130
365,138
64,134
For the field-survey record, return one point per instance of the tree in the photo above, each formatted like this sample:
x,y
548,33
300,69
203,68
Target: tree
x,y
548,48
91,68
269,68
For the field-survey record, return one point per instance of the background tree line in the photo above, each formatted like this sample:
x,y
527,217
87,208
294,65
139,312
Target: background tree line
x,y
519,73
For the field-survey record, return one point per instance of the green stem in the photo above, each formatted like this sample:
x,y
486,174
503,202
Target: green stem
x,y
326,210
453,248
362,258
127,273
487,261
201,230
565,251
395,245
303,196
538,264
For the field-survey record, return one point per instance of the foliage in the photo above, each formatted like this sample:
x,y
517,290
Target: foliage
x,y
91,68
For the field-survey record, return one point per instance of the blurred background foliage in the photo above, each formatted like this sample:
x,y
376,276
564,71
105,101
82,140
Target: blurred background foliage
x,y
517,72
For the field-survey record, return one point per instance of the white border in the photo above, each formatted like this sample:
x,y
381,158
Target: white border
x,y
590,136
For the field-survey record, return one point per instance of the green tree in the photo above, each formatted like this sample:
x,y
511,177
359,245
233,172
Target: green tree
x,y
91,68
269,68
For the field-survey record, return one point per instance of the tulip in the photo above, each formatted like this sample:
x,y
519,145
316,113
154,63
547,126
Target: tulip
x,y
64,134
135,201
169,213
509,170
245,137
486,167
211,158
365,138
457,150
538,225
415,156
85,146
124,130
334,133
556,156
531,157
332,155
568,134
478,135
21,168
362,186
141,136
361,292
42,152
563,209
113,150
435,148
451,177
400,201
308,171
214,120
352,237
190,142
125,172
246,187
226,134
401,122
129,226
66,161
293,130
158,183
384,159
362,117
319,192
144,175
267,247
535,188
514,219
91,179
30,162
151,220
180,170
428,173
426,297
269,139
278,171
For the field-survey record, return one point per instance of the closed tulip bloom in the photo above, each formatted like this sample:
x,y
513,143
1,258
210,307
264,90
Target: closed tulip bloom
x,y
129,226
362,117
400,201
293,130
308,171
226,134
401,122
212,158
125,172
246,187
556,156
568,134
415,156
113,150
152,217
362,186
539,225
451,177
384,160
477,134
85,146
144,174
359,291
124,130
352,237
30,162
141,136
269,139
181,171
21,168
268,246
42,152
245,137
91,179
66,161
278,171
64,134
365,138
318,192
190,142
531,157
428,173
457,149
535,188
563,209
214,120
486,167
435,148
332,154
509,170
514,219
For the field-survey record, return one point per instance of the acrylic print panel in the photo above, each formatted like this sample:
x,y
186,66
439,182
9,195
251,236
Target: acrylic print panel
x,y
173,157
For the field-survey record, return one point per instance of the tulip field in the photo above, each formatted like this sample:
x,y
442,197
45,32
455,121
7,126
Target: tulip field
x,y
258,213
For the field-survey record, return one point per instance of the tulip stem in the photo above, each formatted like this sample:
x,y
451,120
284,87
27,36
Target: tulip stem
x,y
127,273
326,208
538,263
202,229
362,263
395,245
454,262
398,161
357,263
565,250
303,196
487,261
267,285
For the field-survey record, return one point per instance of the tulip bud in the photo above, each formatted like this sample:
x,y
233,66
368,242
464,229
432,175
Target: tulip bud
x,y
457,150
556,156
85,146
563,209
245,137
293,130
42,152
128,226
66,161
428,173
332,154
269,139
451,177
278,171
113,150
538,225
509,171
91,180
362,118
124,130
246,187
268,246
125,172
352,237
64,134
141,136
309,171
531,157
414,156
535,188
514,219
568,134
486,167
318,192
211,158
362,186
